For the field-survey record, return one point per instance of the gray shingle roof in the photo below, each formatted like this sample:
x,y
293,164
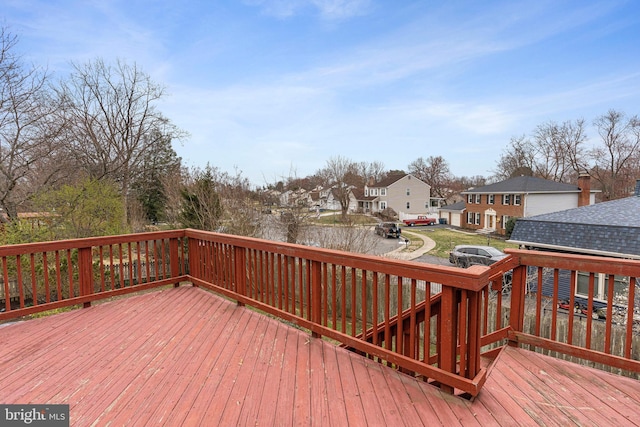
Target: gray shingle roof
x,y
612,227
525,184
458,206
388,180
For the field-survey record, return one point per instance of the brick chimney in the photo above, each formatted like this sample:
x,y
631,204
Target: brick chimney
x,y
584,183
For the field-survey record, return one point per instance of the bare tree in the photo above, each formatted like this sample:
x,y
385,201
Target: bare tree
x,y
339,173
559,152
173,184
435,172
621,141
374,171
115,119
30,155
349,236
517,159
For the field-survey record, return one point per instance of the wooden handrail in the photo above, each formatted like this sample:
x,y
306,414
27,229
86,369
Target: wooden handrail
x,y
379,307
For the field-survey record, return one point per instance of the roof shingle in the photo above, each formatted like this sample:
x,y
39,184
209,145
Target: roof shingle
x,y
612,227
525,184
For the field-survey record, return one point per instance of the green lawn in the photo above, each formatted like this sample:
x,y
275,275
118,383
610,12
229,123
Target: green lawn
x,y
446,239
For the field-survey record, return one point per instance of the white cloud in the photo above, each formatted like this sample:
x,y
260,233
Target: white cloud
x,y
328,9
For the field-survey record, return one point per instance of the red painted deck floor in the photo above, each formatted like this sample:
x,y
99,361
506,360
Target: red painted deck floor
x,y
184,357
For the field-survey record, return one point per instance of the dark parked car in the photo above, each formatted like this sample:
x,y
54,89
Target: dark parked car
x,y
388,229
468,255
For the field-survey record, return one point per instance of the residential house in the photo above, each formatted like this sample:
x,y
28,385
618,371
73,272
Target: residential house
x,y
329,199
333,201
488,208
404,193
300,197
609,229
452,214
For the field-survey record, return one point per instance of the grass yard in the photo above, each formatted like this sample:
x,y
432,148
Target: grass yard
x,y
446,239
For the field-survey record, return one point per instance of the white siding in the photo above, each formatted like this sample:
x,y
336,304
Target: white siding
x,y
536,204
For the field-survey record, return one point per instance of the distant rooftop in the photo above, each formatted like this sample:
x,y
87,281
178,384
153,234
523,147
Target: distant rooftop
x,y
525,184
609,227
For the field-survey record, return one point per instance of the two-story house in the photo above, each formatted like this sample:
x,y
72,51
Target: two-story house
x,y
488,208
404,193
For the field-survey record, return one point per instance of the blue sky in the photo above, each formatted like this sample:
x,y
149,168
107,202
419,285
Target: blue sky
x,y
274,88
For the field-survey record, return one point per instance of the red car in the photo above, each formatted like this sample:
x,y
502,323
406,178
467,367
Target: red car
x,y
421,220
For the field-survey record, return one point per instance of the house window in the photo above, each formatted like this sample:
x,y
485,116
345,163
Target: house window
x,y
506,199
490,199
601,286
505,219
478,198
517,199
408,191
383,206
470,217
366,192
469,198
408,205
477,218
374,191
383,191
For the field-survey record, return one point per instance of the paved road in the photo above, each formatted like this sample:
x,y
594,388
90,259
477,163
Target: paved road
x,y
420,255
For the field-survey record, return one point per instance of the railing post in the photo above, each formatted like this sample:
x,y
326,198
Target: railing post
x,y
194,258
240,276
449,332
85,273
518,290
174,259
316,295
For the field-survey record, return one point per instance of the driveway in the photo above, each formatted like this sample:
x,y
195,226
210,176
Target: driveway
x,y
421,254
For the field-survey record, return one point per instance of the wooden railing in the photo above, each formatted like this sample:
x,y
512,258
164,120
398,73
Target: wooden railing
x,y
38,277
423,319
430,321
600,325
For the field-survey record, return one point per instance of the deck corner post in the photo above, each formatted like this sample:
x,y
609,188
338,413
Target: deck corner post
x,y
85,276
449,332
316,295
240,271
518,290
174,259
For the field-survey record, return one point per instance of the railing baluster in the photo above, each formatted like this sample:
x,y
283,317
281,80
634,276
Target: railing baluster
x,y
7,289
325,295
316,295
45,270
363,298
539,301
631,302
427,323
20,282
554,304
343,304
590,309
387,314
34,282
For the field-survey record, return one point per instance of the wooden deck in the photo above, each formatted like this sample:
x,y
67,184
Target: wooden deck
x,y
184,356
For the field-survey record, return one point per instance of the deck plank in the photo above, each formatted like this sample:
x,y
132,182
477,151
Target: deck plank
x,y
564,394
187,357
334,387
